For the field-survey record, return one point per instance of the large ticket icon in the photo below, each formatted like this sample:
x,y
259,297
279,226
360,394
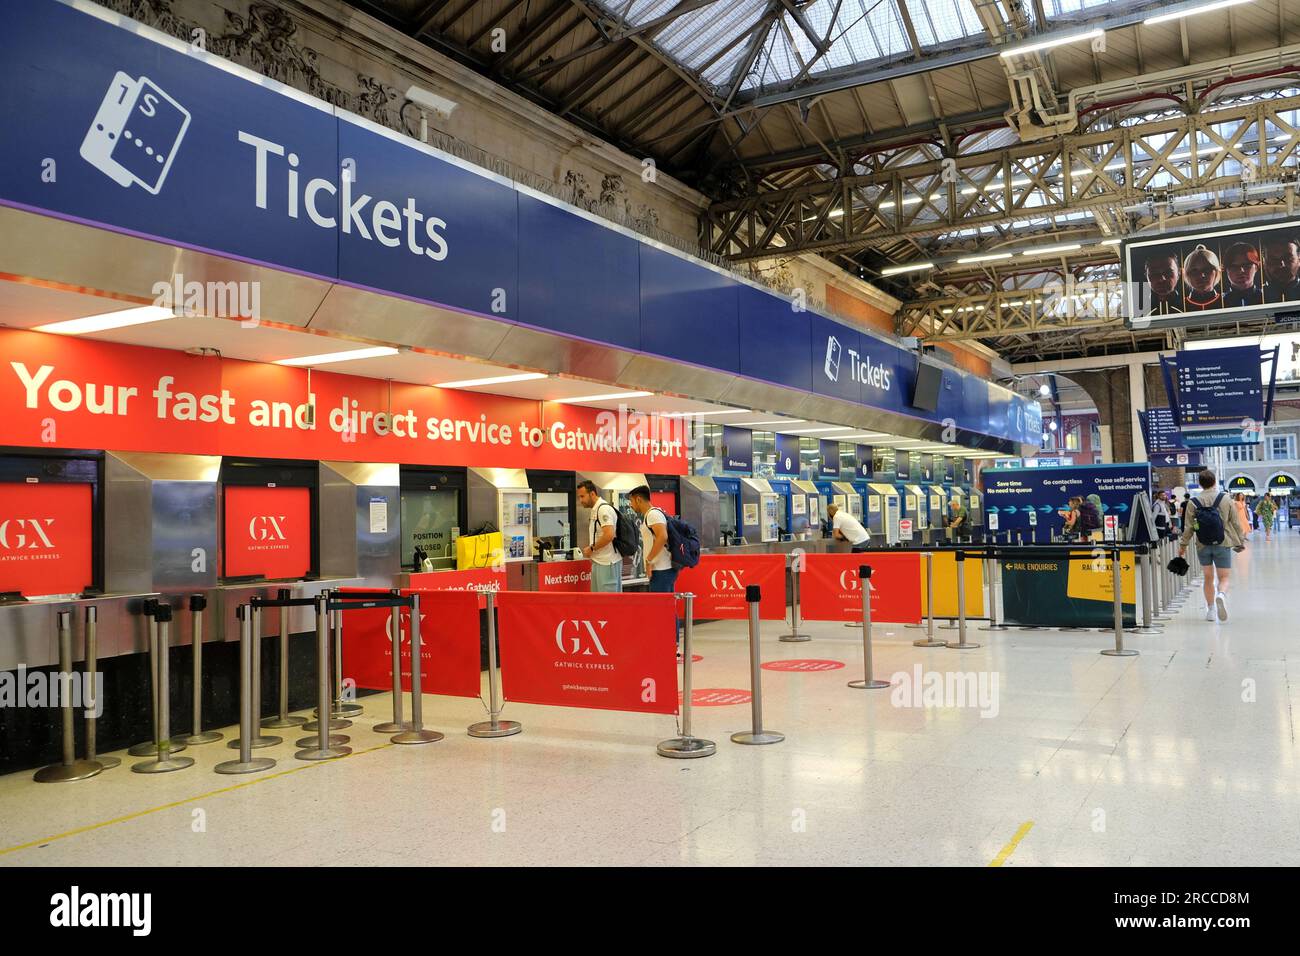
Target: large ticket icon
x,y
136,133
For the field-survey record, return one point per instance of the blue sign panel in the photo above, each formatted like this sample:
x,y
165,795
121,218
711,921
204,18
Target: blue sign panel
x,y
688,312
830,463
1190,460
866,462
787,455
1217,386
1160,431
903,465
925,469
770,349
737,449
1014,493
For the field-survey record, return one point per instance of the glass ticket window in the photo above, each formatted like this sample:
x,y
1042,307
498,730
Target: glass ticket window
x,y
431,524
554,531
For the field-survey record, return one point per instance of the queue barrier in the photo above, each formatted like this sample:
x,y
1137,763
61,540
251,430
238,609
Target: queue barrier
x,y
757,734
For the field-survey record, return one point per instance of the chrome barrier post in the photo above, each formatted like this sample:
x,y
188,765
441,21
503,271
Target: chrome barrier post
x,y
93,690
260,739
198,604
1145,555
929,607
342,707
417,734
494,726
1117,585
993,579
868,681
284,720
756,734
149,748
962,643
794,637
69,767
246,763
687,745
326,747
396,725
164,762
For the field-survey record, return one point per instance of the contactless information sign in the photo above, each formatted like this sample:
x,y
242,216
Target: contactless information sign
x,y
787,455
1216,386
737,449
830,466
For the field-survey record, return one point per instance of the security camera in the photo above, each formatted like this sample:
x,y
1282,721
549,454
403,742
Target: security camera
x,y
430,101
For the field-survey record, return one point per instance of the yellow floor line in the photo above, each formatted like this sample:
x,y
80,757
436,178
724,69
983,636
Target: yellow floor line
x,y
179,803
1010,848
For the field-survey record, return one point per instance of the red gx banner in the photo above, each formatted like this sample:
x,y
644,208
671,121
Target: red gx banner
x,y
719,581
830,588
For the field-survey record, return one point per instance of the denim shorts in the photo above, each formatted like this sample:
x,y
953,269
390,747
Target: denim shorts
x,y
1219,555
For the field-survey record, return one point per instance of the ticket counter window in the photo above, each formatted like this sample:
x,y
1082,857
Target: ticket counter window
x,y
429,521
46,532
268,532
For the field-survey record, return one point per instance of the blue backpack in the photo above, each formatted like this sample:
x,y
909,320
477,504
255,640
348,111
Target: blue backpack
x,y
683,541
1208,522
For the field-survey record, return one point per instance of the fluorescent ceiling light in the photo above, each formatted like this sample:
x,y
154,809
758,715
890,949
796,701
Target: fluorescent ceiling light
x,y
1049,250
1179,14
604,398
726,411
988,258
495,380
1111,242
1051,41
784,421
812,431
108,320
911,267
349,356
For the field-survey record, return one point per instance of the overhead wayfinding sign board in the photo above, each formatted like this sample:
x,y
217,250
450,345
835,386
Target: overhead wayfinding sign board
x,y
1220,273
1160,430
1218,396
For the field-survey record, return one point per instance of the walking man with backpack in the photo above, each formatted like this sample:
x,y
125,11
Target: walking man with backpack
x,y
670,544
1212,519
606,562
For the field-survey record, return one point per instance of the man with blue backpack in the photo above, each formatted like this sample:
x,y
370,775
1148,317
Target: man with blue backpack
x,y
668,542
1211,518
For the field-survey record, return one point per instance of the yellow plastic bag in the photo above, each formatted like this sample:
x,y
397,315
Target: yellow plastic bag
x,y
478,551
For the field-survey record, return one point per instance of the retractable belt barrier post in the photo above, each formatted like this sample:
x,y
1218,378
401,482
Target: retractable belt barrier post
x,y
930,640
246,763
868,681
69,768
284,720
494,726
688,745
993,578
342,707
148,748
756,734
198,604
962,643
325,747
417,734
93,690
1117,585
260,739
1145,557
397,724
163,762
796,572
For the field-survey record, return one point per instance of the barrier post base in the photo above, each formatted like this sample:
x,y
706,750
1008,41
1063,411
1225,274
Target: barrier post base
x,y
314,725
1127,652
163,765
764,737
869,684
149,748
494,728
335,740
62,773
207,737
794,637
684,748
392,727
257,743
239,766
994,627
417,737
329,753
957,645
108,763
283,723
928,642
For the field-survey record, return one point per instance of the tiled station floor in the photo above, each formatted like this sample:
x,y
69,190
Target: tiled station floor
x,y
1183,755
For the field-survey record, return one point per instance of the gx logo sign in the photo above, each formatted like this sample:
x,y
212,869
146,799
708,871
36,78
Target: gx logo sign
x,y
580,638
28,533
726,580
267,527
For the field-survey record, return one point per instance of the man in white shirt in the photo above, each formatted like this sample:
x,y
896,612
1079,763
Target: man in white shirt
x,y
845,527
606,562
654,545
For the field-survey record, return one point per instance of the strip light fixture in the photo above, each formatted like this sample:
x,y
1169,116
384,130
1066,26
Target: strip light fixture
x,y
1179,14
991,257
784,421
1051,41
351,355
910,267
108,320
603,398
494,380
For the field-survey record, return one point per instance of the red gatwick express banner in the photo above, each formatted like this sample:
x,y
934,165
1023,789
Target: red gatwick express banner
x,y
64,392
829,588
719,581
471,579
564,576
45,532
603,651
267,531
449,645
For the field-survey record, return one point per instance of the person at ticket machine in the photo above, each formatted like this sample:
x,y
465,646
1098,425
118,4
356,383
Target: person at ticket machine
x,y
845,527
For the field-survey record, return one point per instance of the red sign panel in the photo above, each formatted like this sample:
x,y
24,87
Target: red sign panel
x,y
564,576
719,581
604,651
45,538
471,579
268,532
449,645
104,395
829,589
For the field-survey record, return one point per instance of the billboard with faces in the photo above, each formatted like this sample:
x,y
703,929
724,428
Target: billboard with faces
x,y
1232,271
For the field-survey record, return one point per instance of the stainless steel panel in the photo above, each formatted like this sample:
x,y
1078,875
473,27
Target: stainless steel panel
x,y
530,348
348,548
387,319
28,634
701,507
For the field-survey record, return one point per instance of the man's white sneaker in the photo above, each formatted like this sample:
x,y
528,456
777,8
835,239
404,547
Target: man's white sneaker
x,y
1221,602
1209,614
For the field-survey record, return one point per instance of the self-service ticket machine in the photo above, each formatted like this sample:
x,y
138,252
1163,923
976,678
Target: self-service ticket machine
x,y
959,493
813,510
784,505
938,498
500,497
883,507
796,506
729,510
759,519
916,507
975,505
